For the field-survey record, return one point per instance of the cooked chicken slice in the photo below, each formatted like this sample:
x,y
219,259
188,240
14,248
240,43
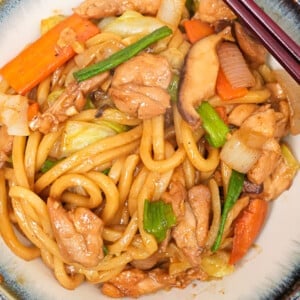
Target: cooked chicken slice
x,y
213,11
191,231
135,283
142,102
267,162
78,234
262,122
69,103
139,86
98,9
250,46
279,181
199,198
184,234
177,193
240,113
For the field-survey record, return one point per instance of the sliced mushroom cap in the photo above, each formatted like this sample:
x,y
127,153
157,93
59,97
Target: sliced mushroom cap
x,y
199,76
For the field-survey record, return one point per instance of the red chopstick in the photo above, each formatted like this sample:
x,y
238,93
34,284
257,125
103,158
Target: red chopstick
x,y
278,43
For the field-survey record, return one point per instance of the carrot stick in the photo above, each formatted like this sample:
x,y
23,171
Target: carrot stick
x,y
37,61
225,89
247,227
33,110
221,110
196,30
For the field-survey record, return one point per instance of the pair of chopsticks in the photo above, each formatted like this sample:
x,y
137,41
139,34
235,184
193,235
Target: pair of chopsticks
x,y
276,41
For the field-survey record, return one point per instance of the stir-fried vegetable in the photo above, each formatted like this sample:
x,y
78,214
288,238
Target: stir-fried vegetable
x,y
131,23
196,30
123,55
234,189
173,88
49,23
33,110
247,227
234,66
78,134
217,264
291,161
40,59
213,124
48,164
158,218
225,90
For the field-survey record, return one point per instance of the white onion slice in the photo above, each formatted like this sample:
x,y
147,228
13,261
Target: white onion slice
x,y
170,12
239,156
234,65
292,91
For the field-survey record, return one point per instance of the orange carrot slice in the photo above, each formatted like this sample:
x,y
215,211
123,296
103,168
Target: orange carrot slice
x,y
33,110
196,30
37,61
247,228
221,110
225,90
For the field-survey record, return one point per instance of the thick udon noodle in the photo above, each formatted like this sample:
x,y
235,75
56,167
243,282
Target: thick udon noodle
x,y
141,163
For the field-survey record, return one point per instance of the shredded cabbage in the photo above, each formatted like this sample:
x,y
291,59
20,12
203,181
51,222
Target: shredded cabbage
x,y
130,23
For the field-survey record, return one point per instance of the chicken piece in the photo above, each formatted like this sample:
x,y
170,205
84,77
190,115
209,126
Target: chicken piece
x,y
176,194
139,86
98,9
191,231
262,122
199,197
279,181
213,11
135,283
240,113
184,234
6,142
78,234
251,47
69,103
267,162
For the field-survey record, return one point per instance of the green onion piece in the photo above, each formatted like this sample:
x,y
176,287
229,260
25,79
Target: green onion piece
x,y
105,250
173,88
89,104
48,164
213,124
123,55
106,171
158,218
235,187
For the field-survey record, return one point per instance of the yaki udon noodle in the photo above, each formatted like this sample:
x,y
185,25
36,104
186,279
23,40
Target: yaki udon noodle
x,y
141,146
